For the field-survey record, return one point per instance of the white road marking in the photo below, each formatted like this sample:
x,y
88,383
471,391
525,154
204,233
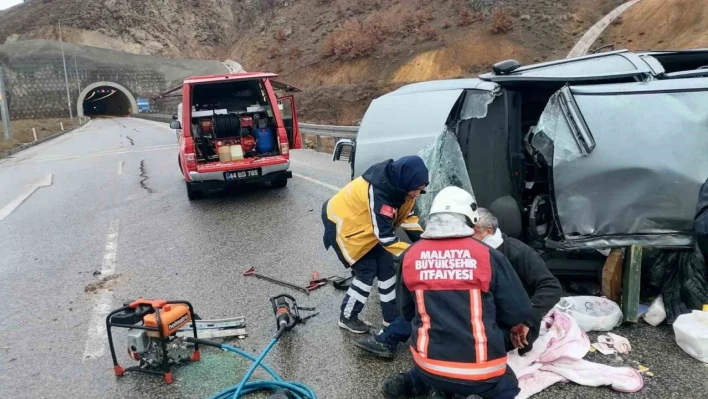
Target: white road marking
x,y
96,341
103,153
109,257
96,338
313,166
120,168
323,184
14,204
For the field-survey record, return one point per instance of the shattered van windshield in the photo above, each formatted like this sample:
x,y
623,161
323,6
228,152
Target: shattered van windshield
x,y
446,167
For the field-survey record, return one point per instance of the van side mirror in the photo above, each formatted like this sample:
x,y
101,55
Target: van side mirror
x,y
343,149
175,125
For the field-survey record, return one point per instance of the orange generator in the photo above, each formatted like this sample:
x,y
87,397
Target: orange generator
x,y
152,335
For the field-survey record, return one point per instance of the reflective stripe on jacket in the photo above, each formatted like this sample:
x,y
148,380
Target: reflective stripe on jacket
x,y
366,216
462,292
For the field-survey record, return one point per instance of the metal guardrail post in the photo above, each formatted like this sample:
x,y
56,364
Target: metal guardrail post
x,y
4,108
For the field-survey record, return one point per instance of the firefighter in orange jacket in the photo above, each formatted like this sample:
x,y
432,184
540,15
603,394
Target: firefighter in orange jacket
x,y
458,294
360,223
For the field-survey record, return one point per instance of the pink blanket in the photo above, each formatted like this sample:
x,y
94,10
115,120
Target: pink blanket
x,y
557,356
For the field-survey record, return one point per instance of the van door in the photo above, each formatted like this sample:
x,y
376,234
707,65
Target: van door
x,y
289,114
627,161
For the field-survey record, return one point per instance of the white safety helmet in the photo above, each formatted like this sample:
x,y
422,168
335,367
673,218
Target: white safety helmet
x,y
453,199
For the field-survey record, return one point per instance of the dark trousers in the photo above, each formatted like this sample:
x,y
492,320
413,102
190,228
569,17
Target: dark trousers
x,y
376,264
504,387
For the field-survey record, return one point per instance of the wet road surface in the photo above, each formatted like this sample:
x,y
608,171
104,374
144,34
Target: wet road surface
x,y
118,201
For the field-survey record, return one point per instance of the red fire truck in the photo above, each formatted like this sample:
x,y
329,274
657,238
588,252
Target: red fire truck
x,y
234,129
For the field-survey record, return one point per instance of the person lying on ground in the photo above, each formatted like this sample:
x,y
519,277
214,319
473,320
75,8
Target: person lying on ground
x,y
456,292
542,287
360,223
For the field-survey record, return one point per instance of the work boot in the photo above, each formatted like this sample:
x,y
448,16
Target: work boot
x,y
376,348
353,324
399,386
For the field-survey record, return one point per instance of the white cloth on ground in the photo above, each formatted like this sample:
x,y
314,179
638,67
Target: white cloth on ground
x,y
613,343
557,356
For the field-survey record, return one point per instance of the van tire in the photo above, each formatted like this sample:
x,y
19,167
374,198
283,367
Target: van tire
x,y
192,193
280,182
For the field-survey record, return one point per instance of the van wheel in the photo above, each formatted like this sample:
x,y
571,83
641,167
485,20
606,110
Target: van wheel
x,y
279,182
192,193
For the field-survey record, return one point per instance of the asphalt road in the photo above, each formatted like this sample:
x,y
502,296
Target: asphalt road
x,y
103,210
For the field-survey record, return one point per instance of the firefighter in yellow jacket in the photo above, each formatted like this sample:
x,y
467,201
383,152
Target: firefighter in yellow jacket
x,y
360,223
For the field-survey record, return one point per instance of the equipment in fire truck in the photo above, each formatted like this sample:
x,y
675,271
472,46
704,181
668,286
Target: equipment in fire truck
x,y
231,137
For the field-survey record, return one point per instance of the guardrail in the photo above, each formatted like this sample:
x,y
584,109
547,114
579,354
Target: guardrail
x,y
342,132
336,132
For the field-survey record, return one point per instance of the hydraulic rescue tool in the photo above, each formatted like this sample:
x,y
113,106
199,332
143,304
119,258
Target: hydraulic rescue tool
x,y
153,326
287,316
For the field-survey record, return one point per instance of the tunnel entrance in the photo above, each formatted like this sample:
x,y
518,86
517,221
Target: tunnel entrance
x,y
106,99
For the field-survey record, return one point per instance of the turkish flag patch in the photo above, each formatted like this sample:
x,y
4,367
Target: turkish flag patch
x,y
387,211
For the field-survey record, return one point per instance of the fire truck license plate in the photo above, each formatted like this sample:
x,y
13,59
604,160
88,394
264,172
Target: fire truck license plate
x,y
242,174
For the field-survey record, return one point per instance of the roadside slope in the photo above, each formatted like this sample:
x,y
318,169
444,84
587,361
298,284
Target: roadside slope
x,y
660,24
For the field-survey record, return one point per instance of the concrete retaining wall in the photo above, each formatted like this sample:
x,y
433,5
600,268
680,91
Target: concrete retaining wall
x,y
34,75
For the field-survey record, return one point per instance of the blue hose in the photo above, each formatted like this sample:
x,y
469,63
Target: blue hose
x,y
298,390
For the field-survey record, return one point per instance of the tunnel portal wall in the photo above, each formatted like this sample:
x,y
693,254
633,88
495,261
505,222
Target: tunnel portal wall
x,y
36,87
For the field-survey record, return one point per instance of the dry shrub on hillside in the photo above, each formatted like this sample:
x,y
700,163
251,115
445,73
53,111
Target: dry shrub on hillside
x,y
351,40
359,38
446,24
294,53
465,18
280,35
427,32
501,23
273,52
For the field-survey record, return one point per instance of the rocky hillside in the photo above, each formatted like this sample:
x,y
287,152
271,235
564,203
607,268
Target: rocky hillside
x,y
660,25
344,52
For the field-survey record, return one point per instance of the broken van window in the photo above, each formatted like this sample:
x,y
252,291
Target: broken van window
x,y
476,103
553,137
446,167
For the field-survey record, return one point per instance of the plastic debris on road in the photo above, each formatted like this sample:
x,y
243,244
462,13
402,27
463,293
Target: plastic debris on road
x,y
612,344
592,313
446,167
691,332
656,314
645,371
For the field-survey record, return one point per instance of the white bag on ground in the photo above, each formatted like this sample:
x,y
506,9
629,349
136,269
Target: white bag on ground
x,y
656,313
591,312
691,332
